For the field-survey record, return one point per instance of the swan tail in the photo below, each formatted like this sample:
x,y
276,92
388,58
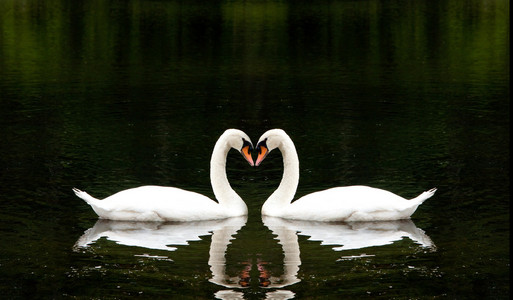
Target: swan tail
x,y
85,196
424,196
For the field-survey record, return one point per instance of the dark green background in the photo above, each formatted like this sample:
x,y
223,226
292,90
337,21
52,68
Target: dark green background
x,y
401,95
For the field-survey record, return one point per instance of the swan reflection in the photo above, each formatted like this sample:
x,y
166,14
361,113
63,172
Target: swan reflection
x,y
156,235
217,261
338,236
221,238
346,236
164,236
274,295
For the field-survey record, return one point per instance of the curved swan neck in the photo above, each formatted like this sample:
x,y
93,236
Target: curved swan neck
x,y
223,192
290,180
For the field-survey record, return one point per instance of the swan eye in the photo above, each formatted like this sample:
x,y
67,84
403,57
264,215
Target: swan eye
x,y
262,146
247,144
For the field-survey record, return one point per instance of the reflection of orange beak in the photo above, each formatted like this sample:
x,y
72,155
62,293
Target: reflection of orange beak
x,y
262,153
245,277
265,276
247,155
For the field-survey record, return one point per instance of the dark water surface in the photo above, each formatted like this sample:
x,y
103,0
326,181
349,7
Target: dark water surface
x,y
400,95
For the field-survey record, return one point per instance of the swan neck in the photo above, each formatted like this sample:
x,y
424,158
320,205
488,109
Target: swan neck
x,y
290,180
223,192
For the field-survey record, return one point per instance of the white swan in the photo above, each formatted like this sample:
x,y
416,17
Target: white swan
x,y
160,203
350,203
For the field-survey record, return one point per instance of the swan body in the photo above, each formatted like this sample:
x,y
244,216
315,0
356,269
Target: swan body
x,y
349,203
160,203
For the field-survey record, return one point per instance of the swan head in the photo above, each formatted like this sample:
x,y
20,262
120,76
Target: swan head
x,y
241,142
269,141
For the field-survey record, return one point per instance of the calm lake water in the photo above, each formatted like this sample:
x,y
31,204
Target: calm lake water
x,y
400,95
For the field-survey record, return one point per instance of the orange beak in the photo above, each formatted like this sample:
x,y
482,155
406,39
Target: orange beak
x,y
262,153
247,155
